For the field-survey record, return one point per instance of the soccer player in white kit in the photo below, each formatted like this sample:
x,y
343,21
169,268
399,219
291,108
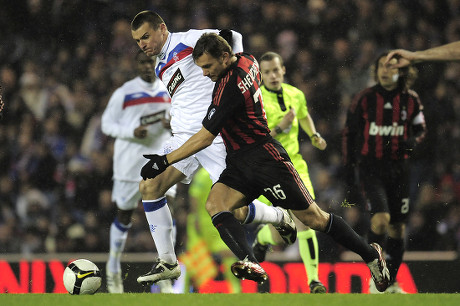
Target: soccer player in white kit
x,y
191,94
136,117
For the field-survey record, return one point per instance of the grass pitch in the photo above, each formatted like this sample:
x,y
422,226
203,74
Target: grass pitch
x,y
249,299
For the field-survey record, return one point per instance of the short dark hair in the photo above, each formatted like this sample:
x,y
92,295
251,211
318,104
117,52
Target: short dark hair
x,y
212,44
146,16
268,56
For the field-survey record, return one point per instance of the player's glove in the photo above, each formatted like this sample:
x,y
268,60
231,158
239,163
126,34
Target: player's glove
x,y
155,166
227,35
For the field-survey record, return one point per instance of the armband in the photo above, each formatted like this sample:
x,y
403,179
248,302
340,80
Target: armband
x,y
316,135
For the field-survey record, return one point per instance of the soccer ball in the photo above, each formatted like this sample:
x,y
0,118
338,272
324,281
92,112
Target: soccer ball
x,y
82,277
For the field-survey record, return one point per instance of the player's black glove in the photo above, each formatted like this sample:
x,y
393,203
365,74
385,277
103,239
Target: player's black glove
x,y
227,35
155,166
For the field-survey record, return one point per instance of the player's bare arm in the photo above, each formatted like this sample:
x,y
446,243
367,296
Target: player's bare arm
x,y
194,144
448,52
157,164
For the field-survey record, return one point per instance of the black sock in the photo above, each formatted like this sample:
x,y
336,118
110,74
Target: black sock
x,y
395,251
342,233
380,239
232,233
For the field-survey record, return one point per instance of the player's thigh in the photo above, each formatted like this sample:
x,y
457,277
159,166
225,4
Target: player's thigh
x,y
375,192
188,166
157,187
126,194
399,199
213,159
224,198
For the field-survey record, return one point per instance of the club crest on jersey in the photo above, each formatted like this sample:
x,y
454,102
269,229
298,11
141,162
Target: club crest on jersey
x,y
175,57
176,79
211,113
403,114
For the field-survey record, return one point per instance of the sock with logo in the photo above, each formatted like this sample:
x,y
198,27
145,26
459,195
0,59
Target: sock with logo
x,y
309,252
118,236
161,228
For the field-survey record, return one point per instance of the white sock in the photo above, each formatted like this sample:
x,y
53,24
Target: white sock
x,y
161,226
118,236
262,213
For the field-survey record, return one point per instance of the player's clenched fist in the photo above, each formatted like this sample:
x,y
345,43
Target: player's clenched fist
x,y
155,166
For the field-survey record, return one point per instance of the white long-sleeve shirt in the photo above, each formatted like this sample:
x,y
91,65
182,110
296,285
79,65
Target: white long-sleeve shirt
x,y
136,103
190,91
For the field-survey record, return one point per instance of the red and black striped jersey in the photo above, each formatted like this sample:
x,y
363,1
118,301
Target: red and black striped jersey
x,y
237,109
382,125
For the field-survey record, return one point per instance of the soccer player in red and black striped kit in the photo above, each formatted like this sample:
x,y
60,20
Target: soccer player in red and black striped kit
x,y
256,163
384,124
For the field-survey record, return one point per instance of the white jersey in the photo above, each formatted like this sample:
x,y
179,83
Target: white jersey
x,y
136,103
190,91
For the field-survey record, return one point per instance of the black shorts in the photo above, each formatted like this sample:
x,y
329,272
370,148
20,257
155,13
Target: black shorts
x,y
266,169
386,186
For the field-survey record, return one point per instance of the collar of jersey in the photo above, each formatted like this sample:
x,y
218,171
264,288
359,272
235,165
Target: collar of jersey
x,y
275,91
162,54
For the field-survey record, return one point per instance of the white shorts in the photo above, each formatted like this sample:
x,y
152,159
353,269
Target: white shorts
x,y
211,158
127,196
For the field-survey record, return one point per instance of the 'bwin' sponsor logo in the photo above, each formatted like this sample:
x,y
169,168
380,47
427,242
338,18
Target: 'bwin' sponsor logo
x,y
386,130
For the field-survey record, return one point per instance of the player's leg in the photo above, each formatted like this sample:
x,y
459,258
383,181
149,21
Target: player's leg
x,y
395,252
221,201
213,160
126,196
399,210
308,242
161,226
342,233
309,252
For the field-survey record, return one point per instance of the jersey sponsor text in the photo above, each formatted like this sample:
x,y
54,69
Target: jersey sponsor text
x,y
386,130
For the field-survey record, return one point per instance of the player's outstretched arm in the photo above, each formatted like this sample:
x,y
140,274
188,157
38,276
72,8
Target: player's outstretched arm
x,y
448,52
202,139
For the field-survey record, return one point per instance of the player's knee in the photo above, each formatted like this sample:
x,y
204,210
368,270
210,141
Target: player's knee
x,y
380,223
149,189
241,213
124,216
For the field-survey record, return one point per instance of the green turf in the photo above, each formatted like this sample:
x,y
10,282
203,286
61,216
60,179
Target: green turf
x,y
249,299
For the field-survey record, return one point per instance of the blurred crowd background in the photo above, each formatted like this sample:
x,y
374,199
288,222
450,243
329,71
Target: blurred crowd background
x,y
60,61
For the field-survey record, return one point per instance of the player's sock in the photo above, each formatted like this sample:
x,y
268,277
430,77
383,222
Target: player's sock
x,y
161,226
342,233
259,212
264,236
118,236
309,252
395,252
381,239
232,233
